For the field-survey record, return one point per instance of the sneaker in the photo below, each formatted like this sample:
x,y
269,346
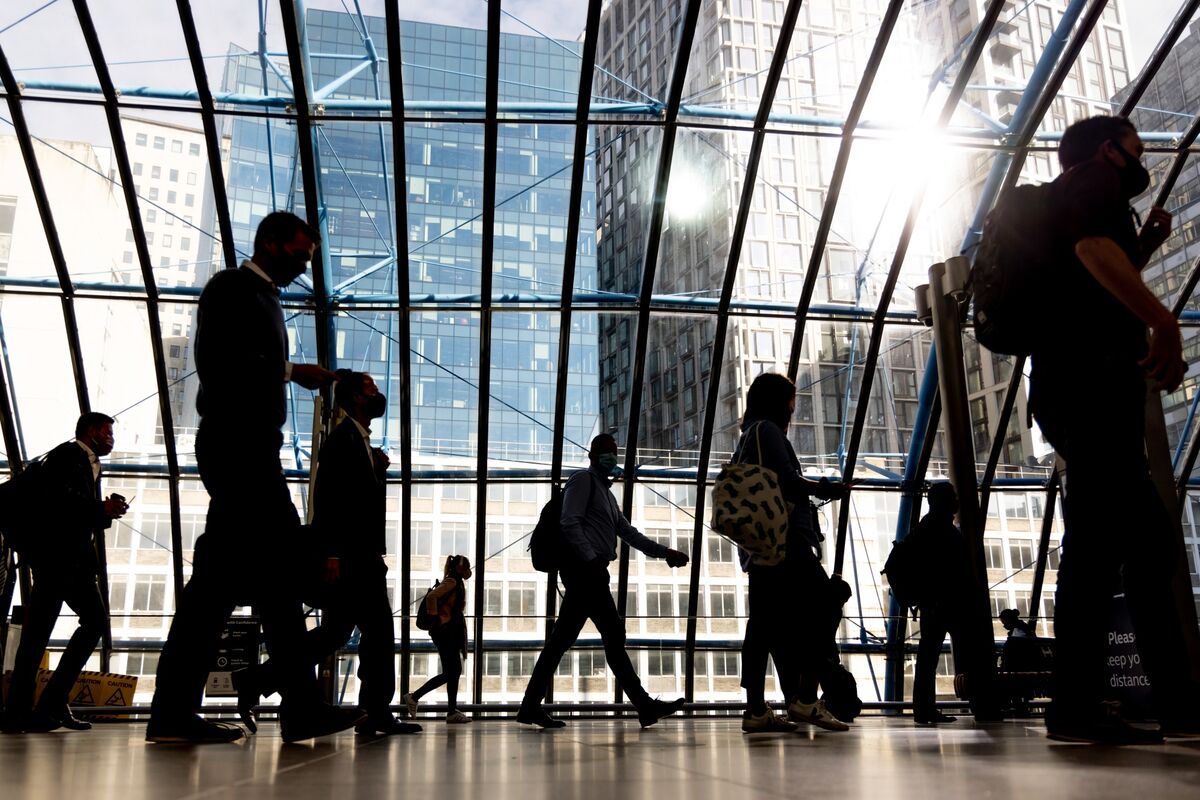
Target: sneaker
x,y
815,714
536,715
766,722
656,709
410,704
457,718
1101,725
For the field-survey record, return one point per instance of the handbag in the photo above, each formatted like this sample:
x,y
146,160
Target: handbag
x,y
749,509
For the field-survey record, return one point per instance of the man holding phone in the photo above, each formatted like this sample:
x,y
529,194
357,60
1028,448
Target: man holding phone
x,y
65,567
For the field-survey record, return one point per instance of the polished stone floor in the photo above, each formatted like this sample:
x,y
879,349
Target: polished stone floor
x,y
679,758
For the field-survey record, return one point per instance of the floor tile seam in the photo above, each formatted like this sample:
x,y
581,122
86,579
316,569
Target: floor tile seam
x,y
252,780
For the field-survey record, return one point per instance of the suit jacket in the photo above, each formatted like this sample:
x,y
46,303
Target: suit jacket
x,y
241,353
350,498
73,511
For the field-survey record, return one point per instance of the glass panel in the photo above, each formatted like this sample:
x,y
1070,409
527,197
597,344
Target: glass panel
x,y
443,520
27,25
228,34
39,372
442,62
131,54
76,160
523,390
445,384
627,159
636,52
445,191
707,171
676,391
254,189
180,222
540,54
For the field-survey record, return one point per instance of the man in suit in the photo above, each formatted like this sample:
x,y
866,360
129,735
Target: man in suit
x,y
349,522
250,547
65,567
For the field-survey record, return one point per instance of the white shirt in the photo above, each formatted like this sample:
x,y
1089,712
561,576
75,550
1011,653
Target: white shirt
x,y
93,459
366,435
257,270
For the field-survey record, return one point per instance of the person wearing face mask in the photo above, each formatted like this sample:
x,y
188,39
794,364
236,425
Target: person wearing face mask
x,y
350,526
247,552
64,562
1088,394
591,522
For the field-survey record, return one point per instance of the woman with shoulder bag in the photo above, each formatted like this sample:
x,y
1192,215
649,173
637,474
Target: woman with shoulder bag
x,y
446,604
787,601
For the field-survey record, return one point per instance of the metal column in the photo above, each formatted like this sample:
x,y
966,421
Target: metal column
x,y
947,298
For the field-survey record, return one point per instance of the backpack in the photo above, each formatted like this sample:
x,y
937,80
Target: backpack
x,y
839,692
1011,281
426,621
749,509
546,544
20,506
904,573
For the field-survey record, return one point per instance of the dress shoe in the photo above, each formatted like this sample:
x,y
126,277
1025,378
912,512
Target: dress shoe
x,y
11,725
248,696
936,718
385,725
191,730
316,719
67,720
654,710
1102,724
41,722
536,715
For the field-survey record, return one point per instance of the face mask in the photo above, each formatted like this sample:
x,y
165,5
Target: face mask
x,y
376,405
607,463
288,266
1134,177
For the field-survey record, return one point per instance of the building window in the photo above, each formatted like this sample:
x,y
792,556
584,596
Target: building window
x,y
167,240
522,599
137,168
171,197
140,139
173,176
721,601
151,215
185,243
193,149
191,179
993,553
189,200
155,172
176,146
148,593
159,143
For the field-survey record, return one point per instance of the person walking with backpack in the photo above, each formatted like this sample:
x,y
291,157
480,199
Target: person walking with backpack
x,y
943,566
445,604
64,562
790,616
591,521
1088,395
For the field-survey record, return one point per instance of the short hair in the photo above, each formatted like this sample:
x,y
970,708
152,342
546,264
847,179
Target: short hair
x,y
1082,140
280,227
600,439
349,385
769,396
942,494
89,420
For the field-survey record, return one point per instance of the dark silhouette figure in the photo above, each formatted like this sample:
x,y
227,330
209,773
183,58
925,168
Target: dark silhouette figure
x,y
446,604
1088,394
793,607
349,527
591,523
65,568
1017,628
942,553
249,553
